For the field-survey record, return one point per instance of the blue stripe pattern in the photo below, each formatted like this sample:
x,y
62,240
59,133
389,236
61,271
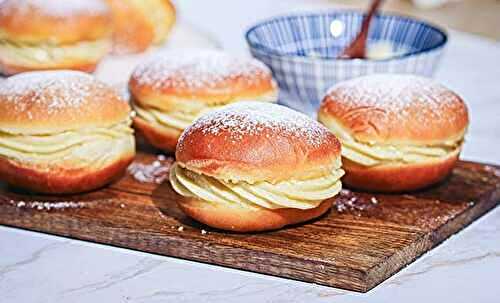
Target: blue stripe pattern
x,y
301,51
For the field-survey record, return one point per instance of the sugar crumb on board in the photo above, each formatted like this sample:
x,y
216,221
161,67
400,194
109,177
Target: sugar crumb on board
x,y
351,202
47,205
153,172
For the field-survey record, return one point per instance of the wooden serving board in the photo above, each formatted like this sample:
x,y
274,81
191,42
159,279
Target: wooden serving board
x,y
363,240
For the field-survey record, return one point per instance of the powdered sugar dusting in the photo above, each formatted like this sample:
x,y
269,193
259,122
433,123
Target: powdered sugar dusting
x,y
55,90
252,118
44,205
56,8
348,201
197,68
154,172
397,94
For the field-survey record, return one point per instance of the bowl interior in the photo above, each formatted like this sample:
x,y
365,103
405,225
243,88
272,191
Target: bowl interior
x,y
324,35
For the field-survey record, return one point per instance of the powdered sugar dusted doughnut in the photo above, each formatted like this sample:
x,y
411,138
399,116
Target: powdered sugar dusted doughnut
x,y
68,21
139,23
62,132
54,101
66,8
396,108
53,34
253,141
398,132
255,166
205,76
172,89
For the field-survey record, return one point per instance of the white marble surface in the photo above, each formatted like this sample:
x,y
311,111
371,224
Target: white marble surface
x,y
41,268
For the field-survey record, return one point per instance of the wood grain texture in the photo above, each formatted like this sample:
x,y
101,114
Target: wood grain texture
x,y
361,242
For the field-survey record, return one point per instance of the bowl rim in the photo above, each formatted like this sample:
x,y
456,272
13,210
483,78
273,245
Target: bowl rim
x,y
275,53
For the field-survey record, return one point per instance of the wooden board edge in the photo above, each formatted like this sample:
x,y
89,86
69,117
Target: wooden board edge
x,y
315,271
431,240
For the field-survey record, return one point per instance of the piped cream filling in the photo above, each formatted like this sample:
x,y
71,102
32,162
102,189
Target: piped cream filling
x,y
181,119
174,119
86,147
371,154
50,54
300,194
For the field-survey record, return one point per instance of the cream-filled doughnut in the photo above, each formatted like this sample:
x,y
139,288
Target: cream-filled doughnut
x,y
52,34
138,23
62,132
170,90
398,132
255,166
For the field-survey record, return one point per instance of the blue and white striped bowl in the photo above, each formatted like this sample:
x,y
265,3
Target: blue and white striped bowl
x,y
301,50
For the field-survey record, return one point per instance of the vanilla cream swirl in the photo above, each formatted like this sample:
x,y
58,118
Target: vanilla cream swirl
x,y
42,54
85,147
300,194
372,154
173,119
181,119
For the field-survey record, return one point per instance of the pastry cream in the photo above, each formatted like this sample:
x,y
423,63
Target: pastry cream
x,y
382,50
174,119
85,147
49,54
181,119
371,154
301,194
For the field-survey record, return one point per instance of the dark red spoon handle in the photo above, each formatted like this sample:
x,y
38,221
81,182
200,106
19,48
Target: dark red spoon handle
x,y
357,48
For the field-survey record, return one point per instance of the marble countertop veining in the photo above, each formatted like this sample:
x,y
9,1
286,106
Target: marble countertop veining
x,y
42,268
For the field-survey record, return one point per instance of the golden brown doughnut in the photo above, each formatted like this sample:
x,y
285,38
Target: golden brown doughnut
x,y
170,90
255,166
398,132
52,34
139,23
62,132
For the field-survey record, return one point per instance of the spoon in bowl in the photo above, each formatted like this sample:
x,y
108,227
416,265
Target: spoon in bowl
x,y
357,48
